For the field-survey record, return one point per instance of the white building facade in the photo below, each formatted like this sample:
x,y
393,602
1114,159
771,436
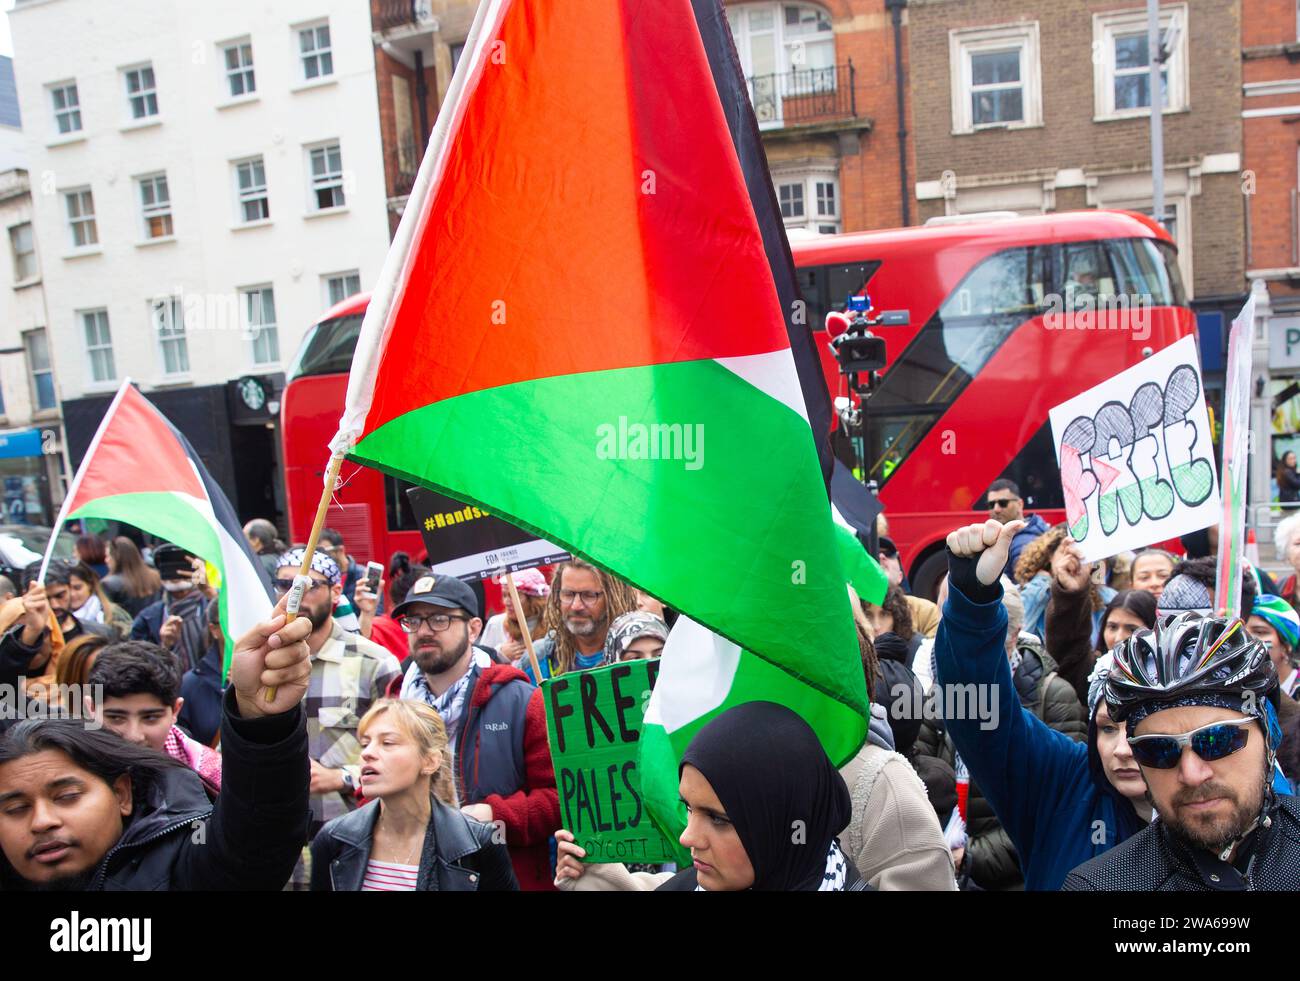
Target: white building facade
x,y
206,180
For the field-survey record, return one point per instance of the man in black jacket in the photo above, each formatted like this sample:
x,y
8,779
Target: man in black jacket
x,y
82,809
1194,695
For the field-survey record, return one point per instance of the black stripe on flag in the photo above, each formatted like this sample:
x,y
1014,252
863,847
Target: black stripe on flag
x,y
729,79
221,506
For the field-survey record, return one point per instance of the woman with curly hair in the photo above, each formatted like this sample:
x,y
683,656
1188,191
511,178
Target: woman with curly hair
x,y
894,615
584,601
1034,577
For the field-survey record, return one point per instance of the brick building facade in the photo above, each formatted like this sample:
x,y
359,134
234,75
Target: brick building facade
x,y
1044,107
417,46
825,82
1271,140
823,78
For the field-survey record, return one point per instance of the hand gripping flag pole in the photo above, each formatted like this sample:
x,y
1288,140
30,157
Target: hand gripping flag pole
x,y
302,581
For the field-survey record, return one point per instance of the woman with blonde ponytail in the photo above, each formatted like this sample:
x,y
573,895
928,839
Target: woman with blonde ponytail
x,y
411,836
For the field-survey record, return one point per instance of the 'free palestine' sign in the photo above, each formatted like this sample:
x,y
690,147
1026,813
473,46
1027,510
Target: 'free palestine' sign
x,y
594,722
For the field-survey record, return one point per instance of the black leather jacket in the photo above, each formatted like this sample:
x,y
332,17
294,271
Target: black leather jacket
x,y
458,856
1154,861
177,841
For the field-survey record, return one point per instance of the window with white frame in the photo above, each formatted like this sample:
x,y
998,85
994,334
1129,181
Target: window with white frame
x,y
1122,62
99,345
155,206
787,50
167,315
339,286
41,372
67,107
253,201
326,167
996,78
237,57
809,200
314,49
23,243
774,38
141,92
258,305
81,217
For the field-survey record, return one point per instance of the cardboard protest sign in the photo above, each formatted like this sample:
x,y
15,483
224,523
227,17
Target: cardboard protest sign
x,y
1136,455
1236,450
594,722
468,543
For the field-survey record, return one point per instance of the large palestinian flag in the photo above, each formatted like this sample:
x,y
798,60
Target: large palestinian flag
x,y
588,325
140,469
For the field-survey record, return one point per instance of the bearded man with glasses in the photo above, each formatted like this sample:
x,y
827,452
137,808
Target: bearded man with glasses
x,y
584,601
348,673
495,720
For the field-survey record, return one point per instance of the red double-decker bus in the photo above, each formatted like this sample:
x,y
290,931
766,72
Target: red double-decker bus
x,y
963,398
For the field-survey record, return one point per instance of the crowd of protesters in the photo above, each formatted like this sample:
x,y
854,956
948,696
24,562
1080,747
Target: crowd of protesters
x,y
405,746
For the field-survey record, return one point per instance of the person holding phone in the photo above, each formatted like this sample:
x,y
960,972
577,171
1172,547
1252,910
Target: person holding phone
x,y
178,621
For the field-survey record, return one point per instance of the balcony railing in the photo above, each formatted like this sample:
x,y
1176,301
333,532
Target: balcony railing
x,y
408,163
388,15
804,96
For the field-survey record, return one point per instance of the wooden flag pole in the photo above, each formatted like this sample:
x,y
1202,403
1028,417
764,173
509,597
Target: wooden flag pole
x,y
302,580
523,626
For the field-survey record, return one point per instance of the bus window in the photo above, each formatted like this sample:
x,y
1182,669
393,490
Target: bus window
x,y
1089,276
1035,472
398,505
1147,269
327,348
827,288
994,298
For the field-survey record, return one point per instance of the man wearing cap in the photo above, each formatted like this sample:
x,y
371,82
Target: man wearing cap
x,y
495,719
1273,621
348,673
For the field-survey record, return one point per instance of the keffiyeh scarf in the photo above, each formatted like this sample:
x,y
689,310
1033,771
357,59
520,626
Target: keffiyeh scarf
x,y
835,876
450,705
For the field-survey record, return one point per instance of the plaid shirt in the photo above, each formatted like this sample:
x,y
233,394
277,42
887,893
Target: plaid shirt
x,y
348,674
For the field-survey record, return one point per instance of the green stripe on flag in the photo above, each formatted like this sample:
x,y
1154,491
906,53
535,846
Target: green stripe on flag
x,y
863,572
173,518
739,536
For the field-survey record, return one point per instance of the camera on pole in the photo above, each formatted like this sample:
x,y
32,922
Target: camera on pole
x,y
860,353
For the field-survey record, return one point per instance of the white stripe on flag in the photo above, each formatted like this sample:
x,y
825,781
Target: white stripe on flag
x,y
695,677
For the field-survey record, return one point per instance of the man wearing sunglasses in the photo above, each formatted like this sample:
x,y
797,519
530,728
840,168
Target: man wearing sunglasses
x,y
495,719
1005,505
348,673
1194,695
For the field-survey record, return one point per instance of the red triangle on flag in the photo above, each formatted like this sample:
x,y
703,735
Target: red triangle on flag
x,y
134,451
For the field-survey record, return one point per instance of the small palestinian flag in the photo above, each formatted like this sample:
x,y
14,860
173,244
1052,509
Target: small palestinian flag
x,y
141,470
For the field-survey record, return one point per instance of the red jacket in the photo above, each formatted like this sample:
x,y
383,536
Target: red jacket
x,y
386,631
491,756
